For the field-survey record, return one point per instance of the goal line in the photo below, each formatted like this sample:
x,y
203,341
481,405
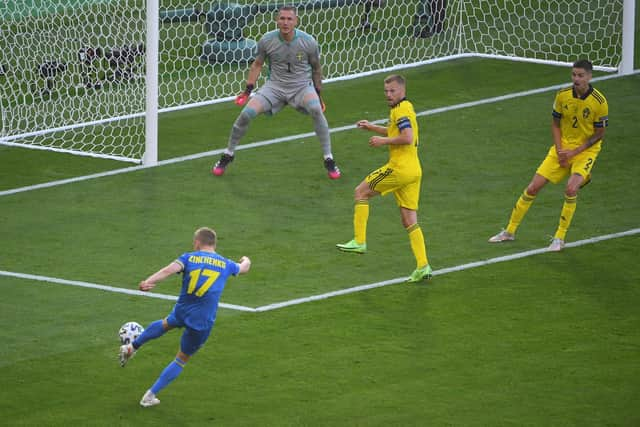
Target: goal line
x,y
257,144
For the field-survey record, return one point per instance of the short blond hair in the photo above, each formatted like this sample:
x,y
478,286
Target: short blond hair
x,y
396,78
205,236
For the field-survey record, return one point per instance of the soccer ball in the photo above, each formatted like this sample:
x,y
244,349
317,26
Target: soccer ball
x,y
129,332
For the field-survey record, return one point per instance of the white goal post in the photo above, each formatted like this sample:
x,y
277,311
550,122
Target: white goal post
x,y
89,77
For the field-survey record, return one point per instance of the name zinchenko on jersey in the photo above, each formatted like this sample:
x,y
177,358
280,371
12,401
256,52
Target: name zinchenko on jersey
x,y
199,259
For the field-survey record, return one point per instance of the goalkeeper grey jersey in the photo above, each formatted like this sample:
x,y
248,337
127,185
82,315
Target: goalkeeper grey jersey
x,y
289,63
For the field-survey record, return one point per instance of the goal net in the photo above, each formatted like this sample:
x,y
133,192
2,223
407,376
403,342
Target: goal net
x,y
72,72
73,76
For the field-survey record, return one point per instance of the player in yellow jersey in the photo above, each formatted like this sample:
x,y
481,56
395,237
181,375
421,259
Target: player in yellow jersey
x,y
401,176
580,117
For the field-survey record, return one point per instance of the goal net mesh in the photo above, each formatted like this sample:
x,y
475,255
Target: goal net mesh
x,y
72,72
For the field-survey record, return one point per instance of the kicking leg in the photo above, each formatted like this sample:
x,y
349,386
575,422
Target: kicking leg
x,y
153,331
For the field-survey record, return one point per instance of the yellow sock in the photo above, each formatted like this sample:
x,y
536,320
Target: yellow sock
x,y
417,245
566,215
360,218
519,211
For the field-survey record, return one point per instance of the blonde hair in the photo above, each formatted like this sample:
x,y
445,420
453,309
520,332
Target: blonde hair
x,y
396,78
205,236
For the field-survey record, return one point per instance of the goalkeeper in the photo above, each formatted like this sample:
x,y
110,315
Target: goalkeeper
x,y
295,78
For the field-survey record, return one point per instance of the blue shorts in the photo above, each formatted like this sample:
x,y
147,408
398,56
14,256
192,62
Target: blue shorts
x,y
192,339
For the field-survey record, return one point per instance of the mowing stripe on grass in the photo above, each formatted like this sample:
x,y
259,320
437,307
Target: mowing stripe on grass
x,y
304,300
293,137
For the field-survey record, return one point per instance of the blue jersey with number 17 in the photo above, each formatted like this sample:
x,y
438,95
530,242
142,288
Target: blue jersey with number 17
x,y
204,276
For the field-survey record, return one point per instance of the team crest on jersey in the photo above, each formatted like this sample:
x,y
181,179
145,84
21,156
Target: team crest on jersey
x,y
300,56
585,113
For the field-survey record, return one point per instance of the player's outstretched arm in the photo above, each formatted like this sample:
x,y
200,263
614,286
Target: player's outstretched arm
x,y
366,124
151,281
245,264
405,138
252,78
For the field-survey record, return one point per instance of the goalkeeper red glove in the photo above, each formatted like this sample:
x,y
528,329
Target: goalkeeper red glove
x,y
244,96
324,107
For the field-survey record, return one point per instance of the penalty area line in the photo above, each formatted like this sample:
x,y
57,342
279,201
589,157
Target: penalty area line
x,y
443,271
108,288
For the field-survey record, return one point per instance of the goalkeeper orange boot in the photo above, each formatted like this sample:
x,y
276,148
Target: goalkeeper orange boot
x,y
221,165
332,168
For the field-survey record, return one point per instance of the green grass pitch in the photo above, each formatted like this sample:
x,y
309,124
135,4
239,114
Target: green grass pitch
x,y
552,339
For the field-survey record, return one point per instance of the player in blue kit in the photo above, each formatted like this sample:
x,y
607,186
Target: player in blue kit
x,y
204,276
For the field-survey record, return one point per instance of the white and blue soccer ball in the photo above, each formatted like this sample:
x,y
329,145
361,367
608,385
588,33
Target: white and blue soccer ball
x,y
129,332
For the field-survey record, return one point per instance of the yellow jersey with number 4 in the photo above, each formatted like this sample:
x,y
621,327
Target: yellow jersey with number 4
x,y
580,116
404,158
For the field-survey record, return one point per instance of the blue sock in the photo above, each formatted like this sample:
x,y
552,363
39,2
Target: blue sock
x,y
169,374
153,331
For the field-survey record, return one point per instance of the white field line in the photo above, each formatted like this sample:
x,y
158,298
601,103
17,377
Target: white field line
x,y
442,271
293,137
304,300
106,288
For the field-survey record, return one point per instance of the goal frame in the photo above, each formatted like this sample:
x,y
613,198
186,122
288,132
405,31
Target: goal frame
x,y
150,156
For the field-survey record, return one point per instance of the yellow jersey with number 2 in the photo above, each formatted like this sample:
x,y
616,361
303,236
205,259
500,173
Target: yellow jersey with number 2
x,y
579,116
